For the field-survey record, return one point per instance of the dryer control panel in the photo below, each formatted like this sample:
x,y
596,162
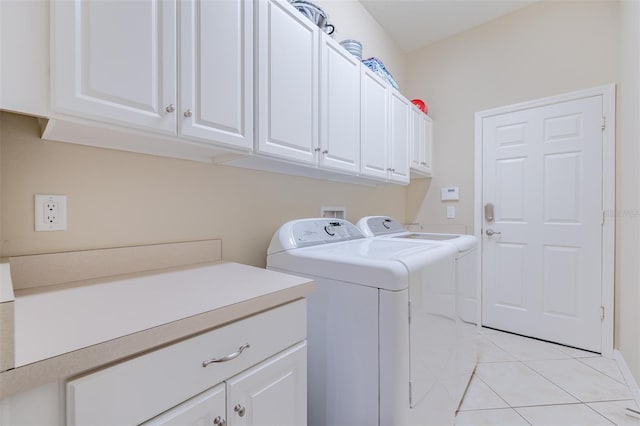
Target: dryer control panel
x,y
373,226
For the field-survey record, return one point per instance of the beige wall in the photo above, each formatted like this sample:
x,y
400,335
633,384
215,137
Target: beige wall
x,y
545,49
628,190
353,21
120,199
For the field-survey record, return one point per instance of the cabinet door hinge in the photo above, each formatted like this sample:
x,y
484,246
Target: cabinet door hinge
x,y
410,392
603,125
601,313
409,311
603,216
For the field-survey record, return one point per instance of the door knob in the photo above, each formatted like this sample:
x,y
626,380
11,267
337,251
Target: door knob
x,y
491,232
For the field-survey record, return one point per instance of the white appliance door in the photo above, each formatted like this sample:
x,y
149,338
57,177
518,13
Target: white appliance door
x,y
432,339
542,172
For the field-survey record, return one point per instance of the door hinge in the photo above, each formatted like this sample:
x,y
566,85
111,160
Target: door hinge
x,y
603,216
409,311
604,123
410,392
601,313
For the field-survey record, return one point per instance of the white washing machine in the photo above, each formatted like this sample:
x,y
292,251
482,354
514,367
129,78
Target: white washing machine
x,y
467,284
381,324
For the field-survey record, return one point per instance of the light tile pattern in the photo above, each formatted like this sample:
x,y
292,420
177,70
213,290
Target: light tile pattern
x,y
521,381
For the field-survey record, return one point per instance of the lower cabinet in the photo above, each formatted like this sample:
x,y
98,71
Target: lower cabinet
x,y
249,372
271,393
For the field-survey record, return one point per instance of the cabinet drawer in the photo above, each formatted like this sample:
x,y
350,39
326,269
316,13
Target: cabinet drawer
x,y
136,390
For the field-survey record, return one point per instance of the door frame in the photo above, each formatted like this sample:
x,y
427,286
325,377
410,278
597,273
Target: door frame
x,y
608,93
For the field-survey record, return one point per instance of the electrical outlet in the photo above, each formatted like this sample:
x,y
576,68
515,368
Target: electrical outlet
x,y
50,212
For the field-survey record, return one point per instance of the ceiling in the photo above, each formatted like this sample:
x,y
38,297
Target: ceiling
x,y
413,24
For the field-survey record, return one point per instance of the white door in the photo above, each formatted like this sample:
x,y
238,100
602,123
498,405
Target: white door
x,y
339,107
115,61
375,118
542,172
216,74
206,409
287,82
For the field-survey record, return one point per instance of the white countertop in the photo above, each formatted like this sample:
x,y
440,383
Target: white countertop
x,y
62,320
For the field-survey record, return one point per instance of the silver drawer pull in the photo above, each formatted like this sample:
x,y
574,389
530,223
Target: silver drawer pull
x,y
228,357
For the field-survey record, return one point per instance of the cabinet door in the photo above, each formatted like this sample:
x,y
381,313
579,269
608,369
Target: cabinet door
x,y
206,409
417,151
399,144
287,82
115,61
374,122
420,149
216,74
339,107
428,145
273,393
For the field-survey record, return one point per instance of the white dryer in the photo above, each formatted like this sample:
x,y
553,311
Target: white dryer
x,y
381,324
467,284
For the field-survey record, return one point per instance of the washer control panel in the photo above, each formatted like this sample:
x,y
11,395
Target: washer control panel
x,y
323,231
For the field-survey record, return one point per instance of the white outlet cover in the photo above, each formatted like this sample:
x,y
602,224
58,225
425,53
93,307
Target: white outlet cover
x,y
59,223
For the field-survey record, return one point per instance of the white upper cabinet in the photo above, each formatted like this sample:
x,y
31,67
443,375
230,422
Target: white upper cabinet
x,y
115,61
420,149
400,134
339,107
374,122
287,82
216,71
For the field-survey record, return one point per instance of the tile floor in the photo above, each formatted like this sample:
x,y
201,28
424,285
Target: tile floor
x,y
520,381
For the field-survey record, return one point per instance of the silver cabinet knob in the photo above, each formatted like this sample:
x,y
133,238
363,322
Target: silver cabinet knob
x,y
317,150
239,409
219,421
491,232
187,113
325,152
170,108
423,163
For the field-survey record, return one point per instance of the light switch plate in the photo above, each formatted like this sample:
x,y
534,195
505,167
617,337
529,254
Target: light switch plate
x,y
451,212
50,212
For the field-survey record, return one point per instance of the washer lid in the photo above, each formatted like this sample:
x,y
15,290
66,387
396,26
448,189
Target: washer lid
x,y
374,262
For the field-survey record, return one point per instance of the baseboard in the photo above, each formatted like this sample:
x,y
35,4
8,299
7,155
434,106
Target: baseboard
x,y
628,377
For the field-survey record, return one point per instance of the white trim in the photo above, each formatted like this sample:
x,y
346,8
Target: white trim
x,y
628,377
608,193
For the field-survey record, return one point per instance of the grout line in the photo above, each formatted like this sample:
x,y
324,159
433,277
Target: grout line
x,y
602,372
600,414
493,390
